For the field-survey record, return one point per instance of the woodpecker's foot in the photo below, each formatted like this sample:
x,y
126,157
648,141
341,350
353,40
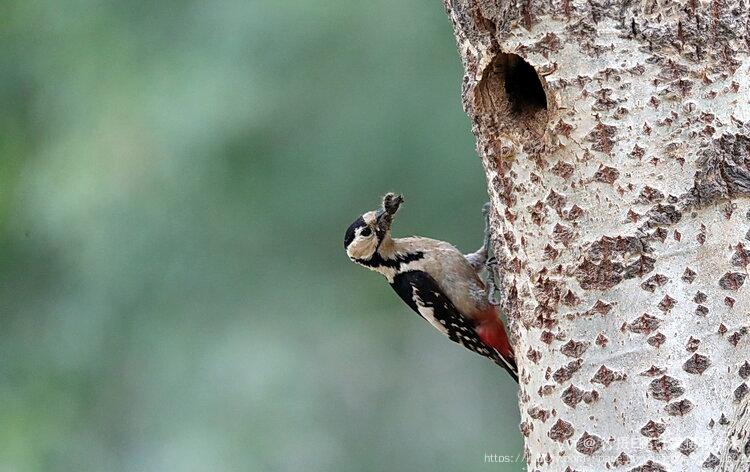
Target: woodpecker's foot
x,y
478,259
491,266
486,209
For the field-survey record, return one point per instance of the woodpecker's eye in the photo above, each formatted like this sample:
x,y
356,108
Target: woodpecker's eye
x,y
366,232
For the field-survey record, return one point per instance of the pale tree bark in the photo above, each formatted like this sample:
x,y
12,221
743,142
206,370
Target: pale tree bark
x,y
615,136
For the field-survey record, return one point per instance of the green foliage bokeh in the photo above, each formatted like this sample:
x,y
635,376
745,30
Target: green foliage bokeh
x,y
175,182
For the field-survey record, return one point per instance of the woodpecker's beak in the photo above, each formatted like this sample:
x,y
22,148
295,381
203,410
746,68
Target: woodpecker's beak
x,y
391,204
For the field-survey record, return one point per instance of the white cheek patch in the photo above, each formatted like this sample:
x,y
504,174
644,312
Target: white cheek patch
x,y
362,247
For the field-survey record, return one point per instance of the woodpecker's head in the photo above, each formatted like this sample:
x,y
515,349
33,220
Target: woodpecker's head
x,y
364,236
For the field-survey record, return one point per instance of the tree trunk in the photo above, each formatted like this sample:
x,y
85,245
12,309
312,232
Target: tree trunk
x,y
615,136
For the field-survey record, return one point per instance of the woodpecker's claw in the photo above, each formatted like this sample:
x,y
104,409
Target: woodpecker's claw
x,y
491,286
486,209
491,263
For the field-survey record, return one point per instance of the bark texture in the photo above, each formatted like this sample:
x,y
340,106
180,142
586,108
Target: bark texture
x,y
615,136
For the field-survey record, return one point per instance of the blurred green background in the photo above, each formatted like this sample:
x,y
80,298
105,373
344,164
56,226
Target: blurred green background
x,y
175,181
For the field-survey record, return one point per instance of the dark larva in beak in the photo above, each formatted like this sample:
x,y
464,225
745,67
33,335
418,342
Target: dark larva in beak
x,y
391,204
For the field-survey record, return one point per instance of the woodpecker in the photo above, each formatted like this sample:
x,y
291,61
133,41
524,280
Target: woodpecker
x,y
435,279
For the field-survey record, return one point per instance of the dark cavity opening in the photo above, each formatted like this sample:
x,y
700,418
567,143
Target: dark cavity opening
x,y
523,87
513,92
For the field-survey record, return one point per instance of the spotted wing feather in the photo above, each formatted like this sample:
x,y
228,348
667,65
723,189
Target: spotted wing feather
x,y
420,291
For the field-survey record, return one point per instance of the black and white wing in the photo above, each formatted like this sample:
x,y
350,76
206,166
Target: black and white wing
x,y
420,291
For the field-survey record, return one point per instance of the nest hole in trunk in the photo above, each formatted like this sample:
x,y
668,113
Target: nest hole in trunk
x,y
512,90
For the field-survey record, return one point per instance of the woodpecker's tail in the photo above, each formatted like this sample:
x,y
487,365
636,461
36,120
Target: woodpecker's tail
x,y
492,333
508,363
